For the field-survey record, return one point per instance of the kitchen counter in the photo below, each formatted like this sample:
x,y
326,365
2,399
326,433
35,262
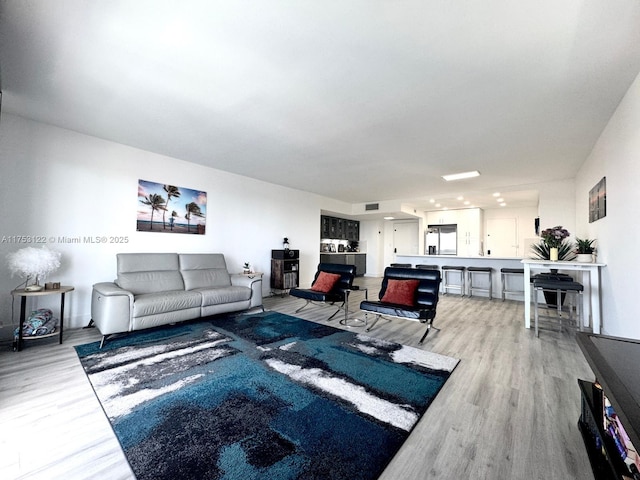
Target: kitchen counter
x,y
476,261
475,257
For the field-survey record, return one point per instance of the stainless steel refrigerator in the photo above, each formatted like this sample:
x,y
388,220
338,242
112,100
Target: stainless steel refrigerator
x,y
441,240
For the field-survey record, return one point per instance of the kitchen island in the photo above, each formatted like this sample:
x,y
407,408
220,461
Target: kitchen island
x,y
588,274
476,261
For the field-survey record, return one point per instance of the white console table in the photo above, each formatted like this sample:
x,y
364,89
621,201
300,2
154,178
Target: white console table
x,y
590,280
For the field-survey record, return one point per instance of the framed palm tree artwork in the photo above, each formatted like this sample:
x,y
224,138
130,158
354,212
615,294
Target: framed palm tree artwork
x,y
598,201
166,208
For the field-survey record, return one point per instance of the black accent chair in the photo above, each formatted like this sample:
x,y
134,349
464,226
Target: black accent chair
x,y
339,292
426,298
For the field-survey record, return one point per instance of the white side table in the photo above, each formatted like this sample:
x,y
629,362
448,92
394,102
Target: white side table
x,y
590,281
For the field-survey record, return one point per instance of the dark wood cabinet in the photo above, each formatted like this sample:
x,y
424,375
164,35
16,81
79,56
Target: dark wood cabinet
x,y
357,259
332,258
285,269
325,227
610,417
352,230
339,228
360,261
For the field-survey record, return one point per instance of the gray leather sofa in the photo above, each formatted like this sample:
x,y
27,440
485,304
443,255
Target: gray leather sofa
x,y
154,289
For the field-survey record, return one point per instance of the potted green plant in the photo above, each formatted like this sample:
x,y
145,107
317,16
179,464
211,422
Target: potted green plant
x,y
553,245
584,250
554,238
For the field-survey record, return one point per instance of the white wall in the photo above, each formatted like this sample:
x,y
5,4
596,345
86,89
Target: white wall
x,y
372,242
616,156
60,183
557,205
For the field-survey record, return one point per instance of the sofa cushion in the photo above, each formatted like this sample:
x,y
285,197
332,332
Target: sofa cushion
x,y
155,303
204,270
150,282
216,296
401,292
141,273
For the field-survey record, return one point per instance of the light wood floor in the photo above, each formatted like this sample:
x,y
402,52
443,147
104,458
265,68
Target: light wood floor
x,y
509,411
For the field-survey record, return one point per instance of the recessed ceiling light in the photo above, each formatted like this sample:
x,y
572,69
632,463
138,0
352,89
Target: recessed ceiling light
x,y
467,202
445,208
496,194
431,200
389,218
460,198
461,176
499,200
503,204
438,205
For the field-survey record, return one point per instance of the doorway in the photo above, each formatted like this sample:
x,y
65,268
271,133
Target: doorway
x,y
405,238
502,237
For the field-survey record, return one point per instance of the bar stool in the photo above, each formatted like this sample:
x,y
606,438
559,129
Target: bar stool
x,y
559,287
403,265
472,271
505,273
550,296
446,270
427,267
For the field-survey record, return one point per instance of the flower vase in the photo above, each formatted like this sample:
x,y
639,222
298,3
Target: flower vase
x,y
553,254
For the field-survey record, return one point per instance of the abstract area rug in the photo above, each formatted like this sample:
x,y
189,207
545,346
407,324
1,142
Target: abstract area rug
x,y
264,396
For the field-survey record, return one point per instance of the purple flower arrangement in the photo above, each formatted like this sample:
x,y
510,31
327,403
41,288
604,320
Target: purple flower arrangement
x,y
554,237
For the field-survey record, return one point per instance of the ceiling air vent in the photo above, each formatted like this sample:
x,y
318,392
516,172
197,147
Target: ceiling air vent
x,y
372,206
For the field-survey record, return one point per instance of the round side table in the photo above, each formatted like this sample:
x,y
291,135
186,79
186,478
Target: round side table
x,y
21,292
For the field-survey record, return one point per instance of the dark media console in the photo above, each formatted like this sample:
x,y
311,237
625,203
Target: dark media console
x,y
610,413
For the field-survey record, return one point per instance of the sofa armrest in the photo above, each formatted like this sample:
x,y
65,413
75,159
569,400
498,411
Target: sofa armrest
x,y
111,308
254,283
109,289
238,280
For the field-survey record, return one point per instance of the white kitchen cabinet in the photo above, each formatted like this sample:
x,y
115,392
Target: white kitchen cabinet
x,y
470,222
470,231
442,217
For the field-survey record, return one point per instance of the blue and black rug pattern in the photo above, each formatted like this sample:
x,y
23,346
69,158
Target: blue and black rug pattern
x,y
264,396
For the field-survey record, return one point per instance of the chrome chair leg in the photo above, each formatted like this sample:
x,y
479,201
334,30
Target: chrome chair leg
x,y
303,306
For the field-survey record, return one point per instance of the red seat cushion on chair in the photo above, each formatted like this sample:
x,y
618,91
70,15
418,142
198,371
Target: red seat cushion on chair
x,y
325,282
401,292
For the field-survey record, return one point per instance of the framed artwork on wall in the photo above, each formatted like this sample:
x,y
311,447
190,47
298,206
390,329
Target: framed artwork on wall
x,y
169,209
598,201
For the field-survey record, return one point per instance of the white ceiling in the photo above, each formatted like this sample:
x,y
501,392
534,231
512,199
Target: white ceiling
x,y
361,101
